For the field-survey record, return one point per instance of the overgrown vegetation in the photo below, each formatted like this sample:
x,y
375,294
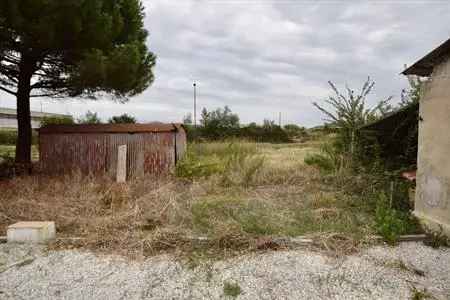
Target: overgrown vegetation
x,y
6,163
89,118
236,163
248,191
223,124
391,222
353,163
9,137
225,196
57,120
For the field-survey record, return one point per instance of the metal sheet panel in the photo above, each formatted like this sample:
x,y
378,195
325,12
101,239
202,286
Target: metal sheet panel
x,y
147,152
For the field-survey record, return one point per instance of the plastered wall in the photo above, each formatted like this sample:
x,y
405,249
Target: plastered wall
x,y
432,202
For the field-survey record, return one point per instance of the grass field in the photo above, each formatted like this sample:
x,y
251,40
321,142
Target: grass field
x,y
233,193
10,149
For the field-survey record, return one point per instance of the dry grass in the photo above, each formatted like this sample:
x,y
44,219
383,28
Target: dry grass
x,y
283,197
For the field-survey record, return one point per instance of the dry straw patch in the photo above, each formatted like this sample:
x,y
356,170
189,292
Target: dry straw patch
x,y
152,215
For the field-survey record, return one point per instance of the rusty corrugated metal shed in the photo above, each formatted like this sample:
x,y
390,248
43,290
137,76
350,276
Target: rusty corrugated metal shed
x,y
151,148
425,65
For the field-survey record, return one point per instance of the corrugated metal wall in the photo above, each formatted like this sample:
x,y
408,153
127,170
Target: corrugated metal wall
x,y
147,152
181,142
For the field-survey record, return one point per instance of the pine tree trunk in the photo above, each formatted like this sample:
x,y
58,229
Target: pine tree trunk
x,y
23,144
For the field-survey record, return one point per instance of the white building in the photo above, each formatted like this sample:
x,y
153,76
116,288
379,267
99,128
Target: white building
x,y
8,118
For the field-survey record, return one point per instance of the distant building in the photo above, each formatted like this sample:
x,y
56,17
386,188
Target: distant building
x,y
8,118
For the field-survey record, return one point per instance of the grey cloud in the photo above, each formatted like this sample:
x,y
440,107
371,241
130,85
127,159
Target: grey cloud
x,y
265,57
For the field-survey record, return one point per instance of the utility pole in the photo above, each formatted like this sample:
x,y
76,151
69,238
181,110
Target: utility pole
x,y
279,119
195,104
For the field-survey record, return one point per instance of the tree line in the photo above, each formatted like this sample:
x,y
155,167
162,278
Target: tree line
x,y
222,123
88,118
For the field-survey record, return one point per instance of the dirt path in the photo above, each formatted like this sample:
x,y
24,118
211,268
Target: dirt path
x,y
377,273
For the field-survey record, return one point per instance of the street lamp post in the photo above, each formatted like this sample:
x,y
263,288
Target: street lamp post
x,y
195,104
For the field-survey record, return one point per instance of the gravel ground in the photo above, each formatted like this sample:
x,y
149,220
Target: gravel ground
x,y
377,273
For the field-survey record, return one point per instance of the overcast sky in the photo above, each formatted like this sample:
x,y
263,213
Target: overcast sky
x,y
265,57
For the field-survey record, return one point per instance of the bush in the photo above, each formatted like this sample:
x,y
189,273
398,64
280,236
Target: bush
x,y
222,124
9,137
89,118
191,167
328,160
294,131
57,120
268,133
6,165
391,223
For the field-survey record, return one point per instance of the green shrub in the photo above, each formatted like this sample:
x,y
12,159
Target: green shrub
x,y
294,131
391,223
328,160
9,137
320,161
6,165
214,130
191,167
57,120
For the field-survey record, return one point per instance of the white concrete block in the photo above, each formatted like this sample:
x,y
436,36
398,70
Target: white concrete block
x,y
31,232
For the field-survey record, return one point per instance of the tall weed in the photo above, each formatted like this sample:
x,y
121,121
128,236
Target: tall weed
x,y
391,223
328,160
236,163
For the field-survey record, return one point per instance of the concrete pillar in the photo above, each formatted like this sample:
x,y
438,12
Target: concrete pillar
x,y
121,175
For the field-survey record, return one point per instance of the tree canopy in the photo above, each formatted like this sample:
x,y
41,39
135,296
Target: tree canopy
x,y
75,48
71,48
349,111
89,118
122,119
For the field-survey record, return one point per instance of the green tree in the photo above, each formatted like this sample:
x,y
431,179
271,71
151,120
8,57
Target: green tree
x,y
349,112
65,48
187,119
122,119
294,131
411,95
219,123
89,118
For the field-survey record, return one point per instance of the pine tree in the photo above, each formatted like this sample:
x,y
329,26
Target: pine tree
x,y
71,48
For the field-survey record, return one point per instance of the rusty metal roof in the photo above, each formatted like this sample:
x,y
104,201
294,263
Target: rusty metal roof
x,y
111,128
425,65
